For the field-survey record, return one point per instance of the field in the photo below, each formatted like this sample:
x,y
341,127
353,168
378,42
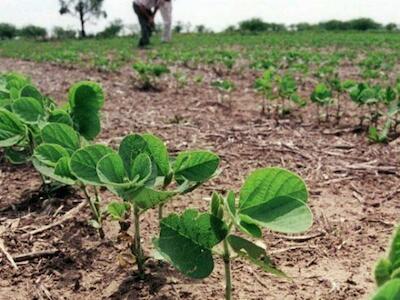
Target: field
x,y
211,99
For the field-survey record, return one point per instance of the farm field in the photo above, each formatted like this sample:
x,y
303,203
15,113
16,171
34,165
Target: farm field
x,y
322,105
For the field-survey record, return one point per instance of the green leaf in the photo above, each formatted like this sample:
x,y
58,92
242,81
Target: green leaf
x,y
60,116
389,291
141,167
131,146
50,154
383,271
86,95
63,170
85,100
29,110
88,125
257,255
275,198
186,241
394,255
197,166
17,156
61,134
84,163
110,169
12,130
147,198
117,210
158,152
31,92
250,229
48,171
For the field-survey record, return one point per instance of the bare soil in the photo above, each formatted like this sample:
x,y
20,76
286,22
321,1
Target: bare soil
x,y
354,187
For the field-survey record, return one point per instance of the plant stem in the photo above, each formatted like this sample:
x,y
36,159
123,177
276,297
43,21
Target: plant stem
x,y
95,210
160,211
228,277
137,249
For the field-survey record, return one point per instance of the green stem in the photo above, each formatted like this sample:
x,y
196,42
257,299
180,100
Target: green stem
x,y
95,208
137,248
228,277
160,211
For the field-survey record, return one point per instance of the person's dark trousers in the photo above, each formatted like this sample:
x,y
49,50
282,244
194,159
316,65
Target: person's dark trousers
x,y
144,26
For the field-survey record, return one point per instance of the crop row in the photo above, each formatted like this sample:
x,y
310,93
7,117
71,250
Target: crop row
x,y
59,142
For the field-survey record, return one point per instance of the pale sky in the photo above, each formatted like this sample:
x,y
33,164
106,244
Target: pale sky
x,y
215,14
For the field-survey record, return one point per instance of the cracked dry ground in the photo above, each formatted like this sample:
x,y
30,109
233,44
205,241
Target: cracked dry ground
x,y
354,194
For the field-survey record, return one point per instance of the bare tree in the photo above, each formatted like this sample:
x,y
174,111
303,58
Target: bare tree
x,y
84,10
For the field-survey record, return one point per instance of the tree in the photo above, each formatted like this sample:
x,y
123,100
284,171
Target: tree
x,y
62,34
112,30
33,32
7,31
84,10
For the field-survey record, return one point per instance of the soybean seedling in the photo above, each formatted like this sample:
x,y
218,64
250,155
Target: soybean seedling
x,y
270,198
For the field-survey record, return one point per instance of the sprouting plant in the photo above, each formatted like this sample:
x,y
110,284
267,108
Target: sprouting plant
x,y
287,89
265,86
149,73
322,96
338,88
387,272
140,173
225,87
270,198
181,80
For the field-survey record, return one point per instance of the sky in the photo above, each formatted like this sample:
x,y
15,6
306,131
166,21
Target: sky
x,y
215,14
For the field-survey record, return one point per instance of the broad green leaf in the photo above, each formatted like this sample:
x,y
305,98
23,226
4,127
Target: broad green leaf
x,y
131,146
29,110
110,169
147,198
84,163
382,271
60,116
249,228
389,291
141,167
63,170
87,124
48,171
275,198
85,100
86,96
31,92
61,134
394,255
50,154
186,241
117,210
158,153
257,255
17,156
197,166
12,130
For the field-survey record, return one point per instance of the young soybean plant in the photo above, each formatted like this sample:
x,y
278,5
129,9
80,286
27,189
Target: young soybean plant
x,y
140,173
387,272
270,198
149,73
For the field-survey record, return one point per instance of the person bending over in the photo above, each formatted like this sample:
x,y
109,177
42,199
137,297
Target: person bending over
x,y
145,14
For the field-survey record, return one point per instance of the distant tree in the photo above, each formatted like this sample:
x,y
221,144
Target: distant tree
x,y
62,34
253,25
200,28
84,10
364,24
7,31
178,28
304,27
391,27
230,29
33,32
112,30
